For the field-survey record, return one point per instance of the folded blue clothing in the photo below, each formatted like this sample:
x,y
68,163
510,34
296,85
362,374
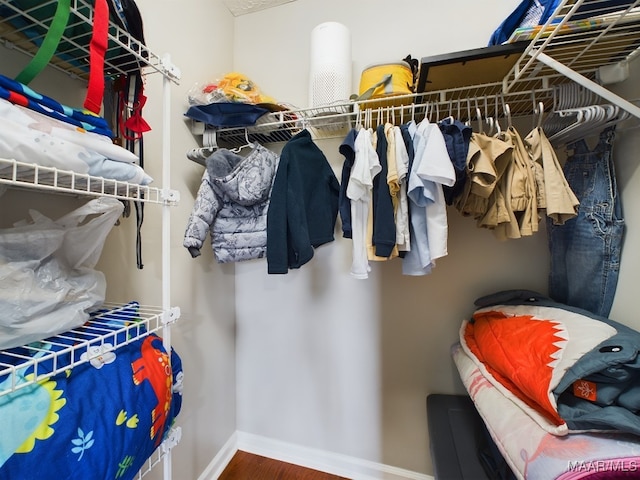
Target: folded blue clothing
x,y
21,94
226,114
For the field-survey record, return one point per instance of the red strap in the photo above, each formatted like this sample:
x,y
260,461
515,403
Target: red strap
x,y
97,51
135,122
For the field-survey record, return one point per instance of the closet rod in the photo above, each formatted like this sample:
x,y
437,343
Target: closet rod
x,y
330,121
521,103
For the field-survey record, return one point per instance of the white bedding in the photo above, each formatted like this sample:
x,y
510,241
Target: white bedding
x,y
535,454
27,136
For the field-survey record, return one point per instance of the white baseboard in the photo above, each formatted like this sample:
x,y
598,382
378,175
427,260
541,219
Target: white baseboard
x,y
221,460
336,464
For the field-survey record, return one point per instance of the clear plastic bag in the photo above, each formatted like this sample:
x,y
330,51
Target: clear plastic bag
x,y
47,273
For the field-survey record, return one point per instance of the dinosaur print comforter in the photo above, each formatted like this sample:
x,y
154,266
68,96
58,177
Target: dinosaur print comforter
x,y
101,419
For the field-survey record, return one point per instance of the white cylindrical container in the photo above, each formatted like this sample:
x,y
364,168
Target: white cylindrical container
x,y
330,64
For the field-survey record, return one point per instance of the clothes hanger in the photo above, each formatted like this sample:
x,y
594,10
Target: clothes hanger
x,y
479,118
576,120
488,119
449,119
497,116
200,155
538,114
604,116
588,120
507,114
468,119
247,143
210,137
358,122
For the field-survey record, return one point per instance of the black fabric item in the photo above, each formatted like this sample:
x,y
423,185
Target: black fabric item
x,y
344,203
135,26
126,15
494,464
455,437
134,84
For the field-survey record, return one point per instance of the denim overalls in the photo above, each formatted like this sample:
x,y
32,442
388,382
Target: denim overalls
x,y
585,251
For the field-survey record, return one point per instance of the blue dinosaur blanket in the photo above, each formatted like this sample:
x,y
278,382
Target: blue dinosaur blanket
x,y
101,419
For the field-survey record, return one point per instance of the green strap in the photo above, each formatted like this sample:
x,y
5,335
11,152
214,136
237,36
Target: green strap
x,y
49,45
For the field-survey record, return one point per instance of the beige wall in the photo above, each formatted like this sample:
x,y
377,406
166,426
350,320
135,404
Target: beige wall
x,y
314,358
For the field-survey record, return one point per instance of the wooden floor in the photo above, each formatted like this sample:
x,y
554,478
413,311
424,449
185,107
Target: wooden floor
x,y
246,466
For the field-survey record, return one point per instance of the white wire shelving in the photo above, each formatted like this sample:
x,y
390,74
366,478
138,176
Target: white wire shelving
x,y
330,121
161,453
580,41
583,35
107,329
30,175
23,28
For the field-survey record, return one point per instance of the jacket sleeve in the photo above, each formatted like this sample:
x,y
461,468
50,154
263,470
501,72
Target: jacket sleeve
x,y
202,216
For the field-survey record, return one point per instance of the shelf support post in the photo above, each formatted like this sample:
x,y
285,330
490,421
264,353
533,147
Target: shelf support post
x,y
166,228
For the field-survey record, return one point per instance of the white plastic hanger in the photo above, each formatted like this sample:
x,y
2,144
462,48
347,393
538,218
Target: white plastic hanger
x,y
247,143
538,115
588,120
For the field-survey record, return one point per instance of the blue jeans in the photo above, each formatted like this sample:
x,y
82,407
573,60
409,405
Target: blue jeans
x,y
585,251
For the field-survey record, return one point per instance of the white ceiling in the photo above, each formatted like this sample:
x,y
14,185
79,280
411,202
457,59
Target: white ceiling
x,y
241,7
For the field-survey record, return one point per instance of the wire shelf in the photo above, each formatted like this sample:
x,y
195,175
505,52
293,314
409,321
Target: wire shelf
x,y
155,459
109,328
172,438
583,35
332,121
31,175
24,29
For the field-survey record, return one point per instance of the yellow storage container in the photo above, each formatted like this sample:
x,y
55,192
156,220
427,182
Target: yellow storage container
x,y
386,80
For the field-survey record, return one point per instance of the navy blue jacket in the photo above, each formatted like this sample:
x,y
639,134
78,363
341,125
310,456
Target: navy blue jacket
x,y
303,207
384,224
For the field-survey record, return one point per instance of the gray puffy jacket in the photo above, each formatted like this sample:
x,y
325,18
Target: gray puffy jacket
x,y
232,204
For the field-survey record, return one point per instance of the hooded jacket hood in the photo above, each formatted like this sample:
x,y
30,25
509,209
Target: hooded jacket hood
x,y
243,180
